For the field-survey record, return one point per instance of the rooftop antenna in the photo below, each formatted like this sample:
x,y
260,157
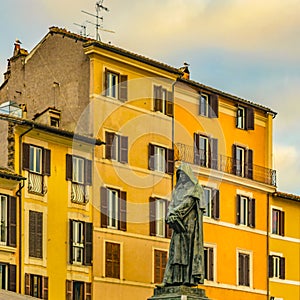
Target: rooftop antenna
x,y
99,7
83,29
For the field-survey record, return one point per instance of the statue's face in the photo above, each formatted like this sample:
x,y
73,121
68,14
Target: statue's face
x,y
183,177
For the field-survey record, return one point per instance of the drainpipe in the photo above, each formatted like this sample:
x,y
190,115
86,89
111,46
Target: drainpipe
x,y
268,246
173,129
19,194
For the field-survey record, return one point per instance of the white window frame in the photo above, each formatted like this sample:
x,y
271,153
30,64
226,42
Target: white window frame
x,y
160,217
112,85
240,116
204,105
3,219
203,150
240,163
279,209
113,208
208,201
250,267
78,170
159,159
214,247
35,159
244,210
121,259
78,242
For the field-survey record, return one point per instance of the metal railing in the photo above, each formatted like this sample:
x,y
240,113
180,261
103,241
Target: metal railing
x,y
79,193
36,184
226,164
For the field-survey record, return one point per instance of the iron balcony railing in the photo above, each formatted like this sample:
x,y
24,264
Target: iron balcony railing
x,y
226,164
36,183
79,193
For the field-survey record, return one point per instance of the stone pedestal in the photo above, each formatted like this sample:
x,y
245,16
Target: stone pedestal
x,y
178,293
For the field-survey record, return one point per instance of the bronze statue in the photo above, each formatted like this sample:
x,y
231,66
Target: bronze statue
x,y
185,265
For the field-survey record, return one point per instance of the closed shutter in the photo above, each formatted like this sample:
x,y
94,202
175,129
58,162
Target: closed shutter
x,y
12,277
123,87
249,164
151,156
281,223
251,211
88,290
213,106
270,265
124,149
27,284
196,149
158,98
45,288
12,221
170,104
39,234
152,215
26,156
46,162
103,207
238,209
32,233
69,167
250,118
211,264
216,204
246,270
282,268
71,258
170,161
109,140
112,261
69,290
122,212
88,172
241,269
214,153
168,229
88,243
234,169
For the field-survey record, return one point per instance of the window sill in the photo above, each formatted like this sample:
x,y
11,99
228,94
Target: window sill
x,y
9,249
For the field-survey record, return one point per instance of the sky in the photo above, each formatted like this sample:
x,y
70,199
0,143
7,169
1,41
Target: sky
x,y
248,48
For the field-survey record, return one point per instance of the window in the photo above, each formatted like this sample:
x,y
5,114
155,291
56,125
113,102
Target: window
x,y
243,269
245,211
116,147
208,105
112,260
79,172
245,118
209,263
54,121
160,262
35,234
242,164
113,209
8,277
161,159
205,151
276,266
158,211
36,286
36,160
81,242
78,290
115,85
277,222
163,101
212,203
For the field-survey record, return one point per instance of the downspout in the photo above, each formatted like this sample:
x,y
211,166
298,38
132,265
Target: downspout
x,y
173,131
268,246
19,194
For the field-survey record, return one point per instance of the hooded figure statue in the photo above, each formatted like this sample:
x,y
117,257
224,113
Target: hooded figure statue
x,y
185,265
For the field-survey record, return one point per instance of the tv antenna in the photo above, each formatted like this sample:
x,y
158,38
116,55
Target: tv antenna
x,y
99,7
83,29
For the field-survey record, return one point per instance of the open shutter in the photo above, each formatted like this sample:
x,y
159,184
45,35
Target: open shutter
x,y
122,211
88,290
211,264
39,234
282,268
251,211
103,207
250,163
105,83
234,159
12,276
151,156
238,209
196,149
152,210
250,118
123,87
168,229
46,162
247,270
213,106
281,223
12,221
69,167
170,161
25,156
44,287
69,290
71,241
124,149
88,243
109,140
270,265
170,104
27,284
241,270
213,153
88,172
158,98
216,204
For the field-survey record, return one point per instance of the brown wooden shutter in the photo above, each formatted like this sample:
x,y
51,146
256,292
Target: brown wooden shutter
x,y
46,162
169,155
211,263
32,233
152,215
69,167
105,83
12,221
45,288
246,270
282,268
213,106
241,269
158,98
112,260
88,290
270,266
168,229
12,277
71,258
25,156
124,149
213,144
123,87
196,149
88,243
122,211
104,207
27,284
250,118
39,234
234,169
151,156
216,204
170,104
251,211
109,140
238,208
249,169
88,172
281,223
69,290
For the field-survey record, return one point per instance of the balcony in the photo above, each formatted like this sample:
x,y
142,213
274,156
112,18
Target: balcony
x,y
79,193
36,184
226,164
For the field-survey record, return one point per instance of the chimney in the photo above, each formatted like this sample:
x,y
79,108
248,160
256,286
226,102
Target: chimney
x,y
17,47
185,71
